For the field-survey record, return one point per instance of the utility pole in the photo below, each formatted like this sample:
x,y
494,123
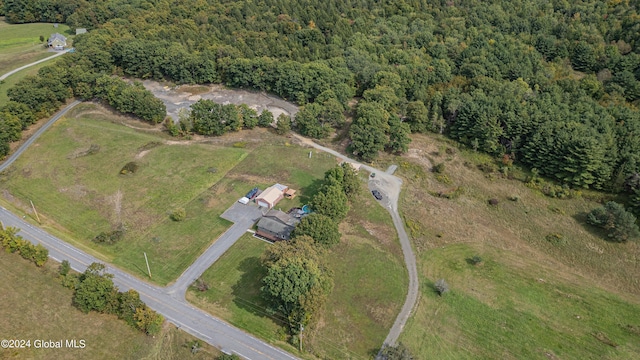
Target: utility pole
x,y
36,212
300,337
147,261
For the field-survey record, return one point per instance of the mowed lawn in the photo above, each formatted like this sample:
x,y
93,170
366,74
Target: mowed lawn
x,y
370,283
36,306
20,43
513,308
80,194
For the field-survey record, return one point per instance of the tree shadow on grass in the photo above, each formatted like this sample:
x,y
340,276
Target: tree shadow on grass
x,y
246,292
581,218
311,190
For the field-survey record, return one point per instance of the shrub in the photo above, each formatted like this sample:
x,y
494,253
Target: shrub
x,y
444,178
14,243
556,239
64,268
439,168
619,223
194,346
201,285
110,237
398,352
475,260
178,214
493,202
441,287
129,168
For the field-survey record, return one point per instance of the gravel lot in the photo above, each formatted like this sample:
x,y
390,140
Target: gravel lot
x,y
179,97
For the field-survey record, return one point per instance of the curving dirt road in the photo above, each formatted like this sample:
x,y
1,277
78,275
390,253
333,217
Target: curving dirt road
x,y
389,185
170,301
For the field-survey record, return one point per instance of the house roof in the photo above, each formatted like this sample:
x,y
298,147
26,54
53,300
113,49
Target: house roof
x,y
274,226
271,195
57,36
282,217
281,187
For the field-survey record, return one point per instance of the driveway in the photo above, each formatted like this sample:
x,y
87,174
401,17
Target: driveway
x,y
32,64
389,185
243,218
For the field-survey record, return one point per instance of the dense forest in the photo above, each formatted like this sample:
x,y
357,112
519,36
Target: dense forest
x,y
552,84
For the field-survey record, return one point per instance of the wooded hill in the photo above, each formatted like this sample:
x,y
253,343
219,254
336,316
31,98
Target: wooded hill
x,y
552,84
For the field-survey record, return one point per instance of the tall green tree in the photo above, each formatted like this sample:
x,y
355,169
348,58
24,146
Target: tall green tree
x,y
331,202
96,290
321,228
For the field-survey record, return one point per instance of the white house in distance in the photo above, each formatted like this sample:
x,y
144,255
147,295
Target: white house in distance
x,y
57,41
271,195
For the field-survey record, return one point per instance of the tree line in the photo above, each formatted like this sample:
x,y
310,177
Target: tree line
x,y
552,85
13,243
298,280
94,290
39,96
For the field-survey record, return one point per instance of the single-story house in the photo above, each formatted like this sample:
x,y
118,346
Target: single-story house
x,y
271,195
276,225
57,41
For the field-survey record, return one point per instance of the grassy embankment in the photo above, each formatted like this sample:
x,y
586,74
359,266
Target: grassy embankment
x,y
36,306
533,296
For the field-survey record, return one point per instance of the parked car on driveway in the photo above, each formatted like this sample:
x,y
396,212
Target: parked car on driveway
x,y
377,194
252,193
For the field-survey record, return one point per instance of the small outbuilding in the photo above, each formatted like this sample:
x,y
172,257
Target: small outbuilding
x,y
57,41
276,225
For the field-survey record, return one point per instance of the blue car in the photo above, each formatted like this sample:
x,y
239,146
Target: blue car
x,y
251,194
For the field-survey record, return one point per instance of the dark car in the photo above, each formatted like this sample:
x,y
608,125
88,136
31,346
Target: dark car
x,y
377,194
251,194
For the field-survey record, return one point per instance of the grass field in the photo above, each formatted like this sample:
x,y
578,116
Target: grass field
x,y
511,307
80,193
370,284
20,43
79,196
36,306
9,82
532,298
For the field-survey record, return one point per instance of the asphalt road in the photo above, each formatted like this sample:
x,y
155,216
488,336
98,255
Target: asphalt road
x,y
179,312
168,301
29,65
389,185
